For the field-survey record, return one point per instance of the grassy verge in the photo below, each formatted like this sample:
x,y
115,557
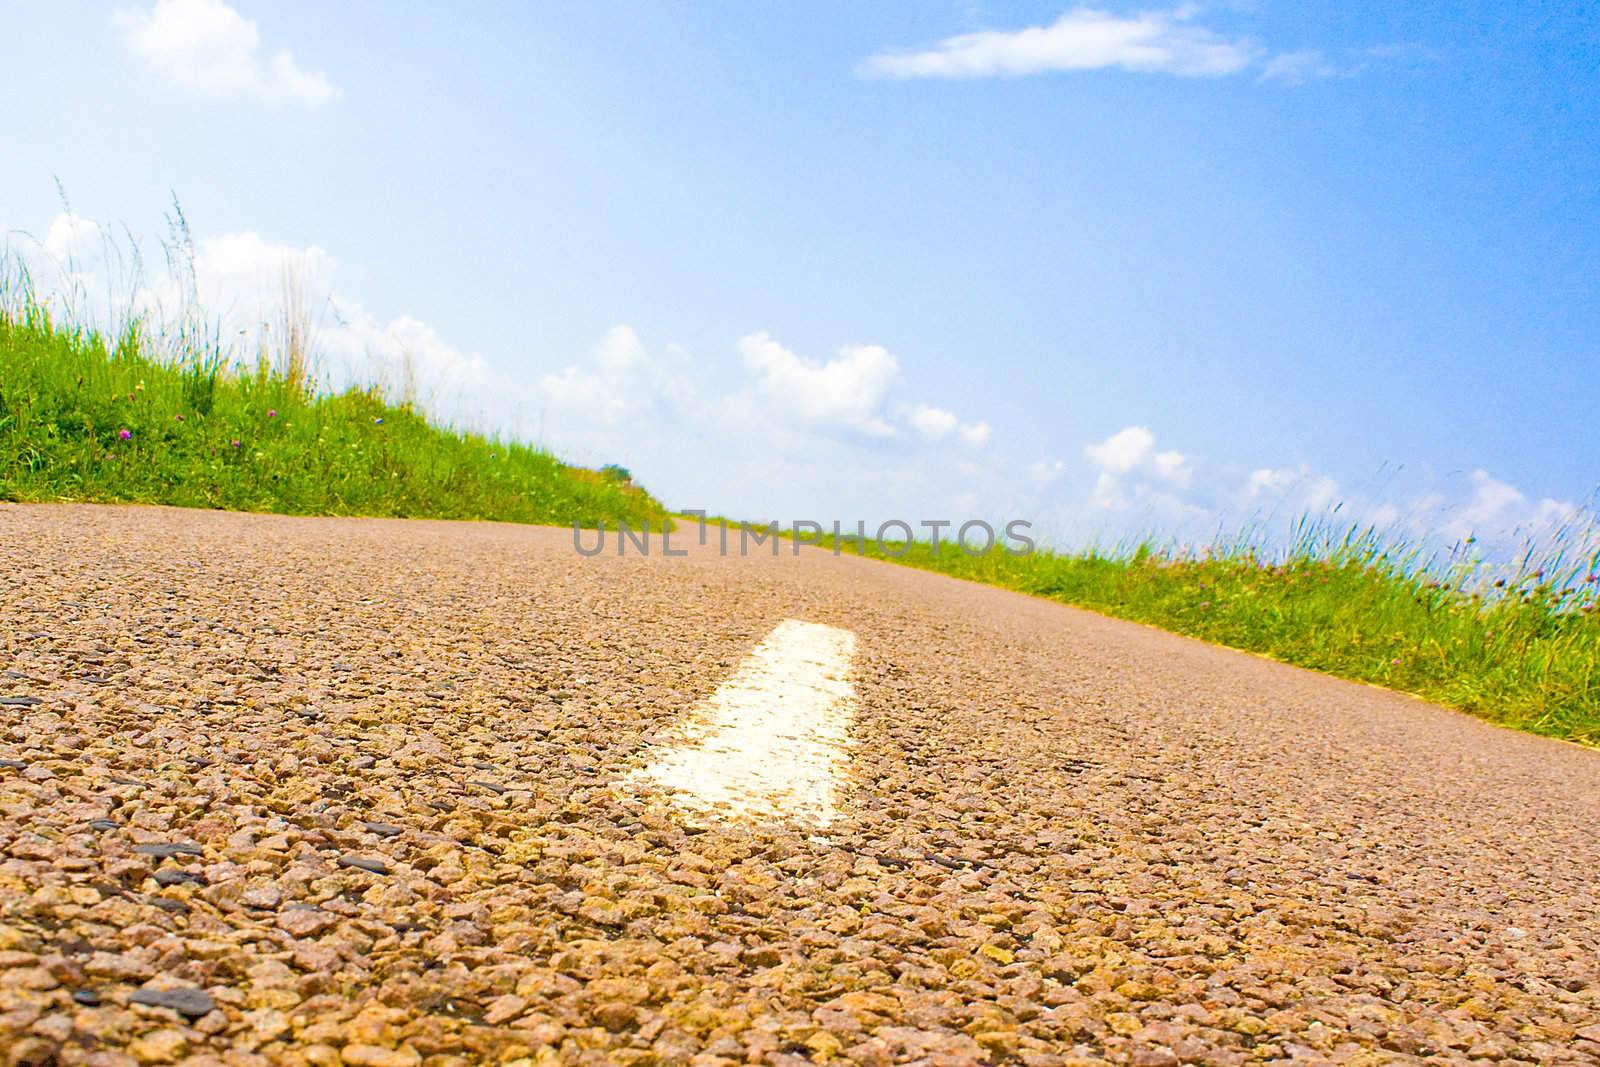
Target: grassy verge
x,y
81,419
1524,653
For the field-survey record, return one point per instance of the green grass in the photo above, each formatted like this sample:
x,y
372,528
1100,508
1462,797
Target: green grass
x,y
87,420
1525,654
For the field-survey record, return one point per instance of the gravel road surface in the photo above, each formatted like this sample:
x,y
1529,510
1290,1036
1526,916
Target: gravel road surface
x,y
283,790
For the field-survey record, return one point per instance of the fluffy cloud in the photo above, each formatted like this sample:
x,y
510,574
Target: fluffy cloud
x,y
1088,38
1133,450
1044,471
1133,474
1083,38
936,424
847,391
1497,510
975,434
1122,451
1311,493
1297,68
619,383
208,46
69,237
931,422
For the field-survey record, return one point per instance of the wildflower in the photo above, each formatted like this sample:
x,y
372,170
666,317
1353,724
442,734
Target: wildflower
x,y
1394,663
235,442
377,420
124,434
139,388
1205,603
177,418
272,413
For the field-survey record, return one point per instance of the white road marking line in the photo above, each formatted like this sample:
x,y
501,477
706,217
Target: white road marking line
x,y
772,742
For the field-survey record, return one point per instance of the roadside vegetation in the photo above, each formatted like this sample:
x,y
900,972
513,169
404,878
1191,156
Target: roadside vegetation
x,y
1519,645
165,415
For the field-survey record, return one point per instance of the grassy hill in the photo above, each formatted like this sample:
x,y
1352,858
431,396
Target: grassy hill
x,y
1516,645
1522,650
85,419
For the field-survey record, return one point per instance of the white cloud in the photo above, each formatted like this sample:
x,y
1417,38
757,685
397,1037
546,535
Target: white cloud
x,y
1269,480
619,382
1133,474
1044,471
1173,467
846,391
1490,499
1134,448
1309,492
936,424
406,355
1123,450
1083,38
69,237
208,46
1494,508
1299,67
931,422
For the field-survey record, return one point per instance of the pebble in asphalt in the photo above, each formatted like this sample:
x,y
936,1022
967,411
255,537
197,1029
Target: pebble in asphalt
x,y
1060,838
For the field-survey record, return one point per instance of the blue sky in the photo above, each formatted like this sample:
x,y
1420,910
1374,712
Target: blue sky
x,y
1112,269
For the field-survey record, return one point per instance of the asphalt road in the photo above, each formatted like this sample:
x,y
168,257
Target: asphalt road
x,y
279,790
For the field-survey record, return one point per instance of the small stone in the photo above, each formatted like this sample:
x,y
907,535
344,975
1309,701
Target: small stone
x,y
504,1009
383,829
305,922
999,955
171,877
89,998
123,968
20,702
364,863
188,1002
602,912
162,1046
267,1024
265,898
102,824
166,850
377,1056
616,1015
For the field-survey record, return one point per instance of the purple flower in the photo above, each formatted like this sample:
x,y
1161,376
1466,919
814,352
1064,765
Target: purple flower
x,y
378,421
272,413
177,418
125,434
235,443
